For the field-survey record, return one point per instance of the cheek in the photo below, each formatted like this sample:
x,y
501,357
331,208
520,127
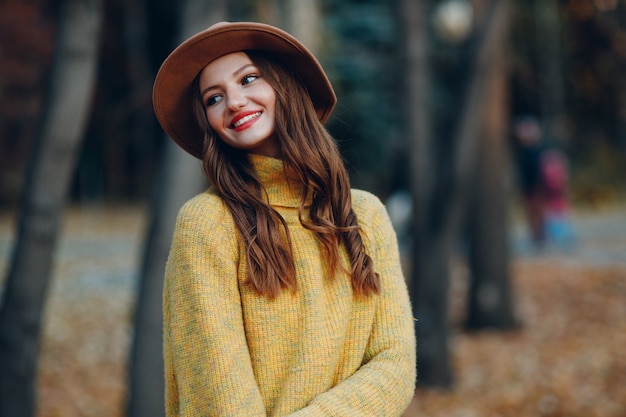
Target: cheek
x,y
214,119
266,94
270,99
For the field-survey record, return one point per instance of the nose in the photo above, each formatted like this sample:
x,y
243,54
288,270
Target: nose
x,y
236,99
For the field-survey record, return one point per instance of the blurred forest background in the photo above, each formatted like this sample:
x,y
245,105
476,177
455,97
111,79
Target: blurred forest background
x,y
429,92
578,58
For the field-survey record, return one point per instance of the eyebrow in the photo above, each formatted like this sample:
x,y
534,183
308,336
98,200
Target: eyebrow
x,y
235,74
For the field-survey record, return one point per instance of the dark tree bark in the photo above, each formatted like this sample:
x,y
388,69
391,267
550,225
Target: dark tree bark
x,y
142,136
49,173
482,66
430,249
180,179
551,80
437,219
490,295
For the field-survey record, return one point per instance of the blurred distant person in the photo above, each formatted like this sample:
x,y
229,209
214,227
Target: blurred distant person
x,y
555,182
543,173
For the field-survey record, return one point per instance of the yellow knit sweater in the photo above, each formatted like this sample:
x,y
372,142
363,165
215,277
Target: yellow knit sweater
x,y
317,352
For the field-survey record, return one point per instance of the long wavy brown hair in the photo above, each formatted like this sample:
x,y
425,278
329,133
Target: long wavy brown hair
x,y
308,151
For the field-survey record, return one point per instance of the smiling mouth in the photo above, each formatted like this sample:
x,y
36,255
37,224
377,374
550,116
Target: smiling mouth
x,y
245,119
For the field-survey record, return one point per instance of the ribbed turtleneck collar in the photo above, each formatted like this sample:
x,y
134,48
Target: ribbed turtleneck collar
x,y
282,189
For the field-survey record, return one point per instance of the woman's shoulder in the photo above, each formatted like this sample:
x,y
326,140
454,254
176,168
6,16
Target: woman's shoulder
x,y
205,208
373,220
369,209
365,202
206,197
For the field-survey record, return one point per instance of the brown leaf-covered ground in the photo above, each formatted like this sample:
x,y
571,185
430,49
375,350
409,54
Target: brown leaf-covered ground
x,y
568,359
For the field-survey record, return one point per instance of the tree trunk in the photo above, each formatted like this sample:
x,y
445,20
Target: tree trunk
x,y
303,22
551,82
436,222
489,304
430,249
180,179
492,32
141,135
49,174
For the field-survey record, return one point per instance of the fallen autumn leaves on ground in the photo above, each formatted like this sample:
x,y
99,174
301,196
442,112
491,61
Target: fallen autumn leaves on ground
x,y
567,359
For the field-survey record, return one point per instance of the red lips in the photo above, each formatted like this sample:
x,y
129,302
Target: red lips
x,y
242,120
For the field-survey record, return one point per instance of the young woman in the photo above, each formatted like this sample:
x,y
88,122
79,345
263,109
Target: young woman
x,y
283,291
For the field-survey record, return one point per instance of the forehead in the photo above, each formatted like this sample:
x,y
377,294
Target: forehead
x,y
223,68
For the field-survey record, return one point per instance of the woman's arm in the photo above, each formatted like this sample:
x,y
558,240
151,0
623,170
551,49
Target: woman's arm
x,y
385,383
208,371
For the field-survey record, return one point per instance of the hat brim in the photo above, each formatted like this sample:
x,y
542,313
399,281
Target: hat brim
x,y
172,93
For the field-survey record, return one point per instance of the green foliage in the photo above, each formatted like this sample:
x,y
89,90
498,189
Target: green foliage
x,y
363,60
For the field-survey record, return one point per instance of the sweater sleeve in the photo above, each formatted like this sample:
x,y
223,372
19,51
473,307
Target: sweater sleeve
x,y
208,371
385,383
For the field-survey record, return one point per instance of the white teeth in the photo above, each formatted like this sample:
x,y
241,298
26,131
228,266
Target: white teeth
x,y
246,119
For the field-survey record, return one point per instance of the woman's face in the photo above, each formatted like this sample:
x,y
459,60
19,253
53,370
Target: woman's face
x,y
239,103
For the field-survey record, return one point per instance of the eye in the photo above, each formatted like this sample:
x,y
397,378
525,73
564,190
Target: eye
x,y
212,100
248,79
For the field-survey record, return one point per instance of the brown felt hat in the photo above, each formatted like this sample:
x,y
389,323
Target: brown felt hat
x,y
172,94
